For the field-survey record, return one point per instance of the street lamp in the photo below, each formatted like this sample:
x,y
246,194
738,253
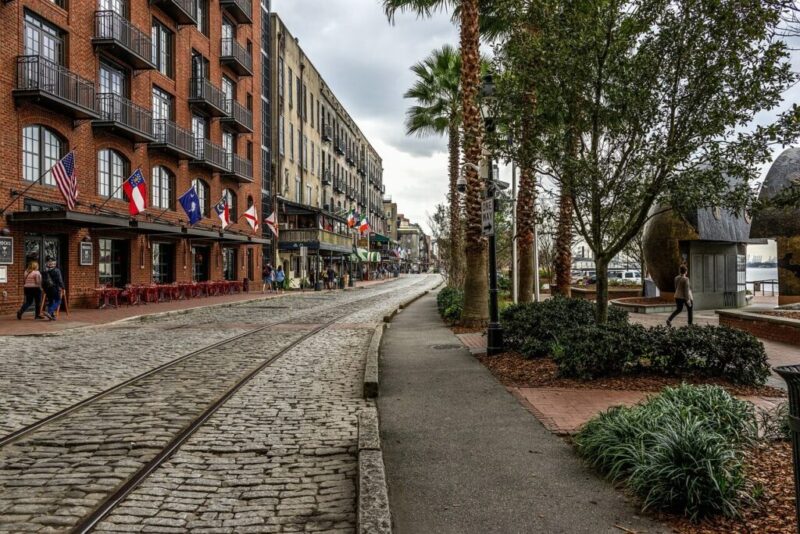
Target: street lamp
x,y
494,336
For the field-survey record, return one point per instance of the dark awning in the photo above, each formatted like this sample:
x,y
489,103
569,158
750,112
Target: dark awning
x,y
70,218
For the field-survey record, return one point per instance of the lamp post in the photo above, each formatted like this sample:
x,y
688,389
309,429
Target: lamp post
x,y
494,335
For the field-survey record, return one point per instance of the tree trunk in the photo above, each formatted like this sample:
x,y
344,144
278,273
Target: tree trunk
x,y
563,265
601,265
456,274
525,220
476,287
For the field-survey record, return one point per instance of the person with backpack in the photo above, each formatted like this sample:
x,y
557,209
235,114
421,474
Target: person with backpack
x,y
32,287
266,278
280,277
53,284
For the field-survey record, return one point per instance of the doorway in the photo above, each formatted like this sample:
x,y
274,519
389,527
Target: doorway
x,y
39,247
200,263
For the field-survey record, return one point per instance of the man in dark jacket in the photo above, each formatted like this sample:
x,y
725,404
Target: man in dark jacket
x,y
53,283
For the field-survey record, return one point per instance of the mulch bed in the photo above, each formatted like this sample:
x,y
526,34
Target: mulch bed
x,y
464,330
769,468
786,314
513,370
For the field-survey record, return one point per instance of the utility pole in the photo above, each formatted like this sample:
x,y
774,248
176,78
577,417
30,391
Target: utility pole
x,y
514,265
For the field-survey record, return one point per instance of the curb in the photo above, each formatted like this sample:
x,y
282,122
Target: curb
x,y
374,516
371,364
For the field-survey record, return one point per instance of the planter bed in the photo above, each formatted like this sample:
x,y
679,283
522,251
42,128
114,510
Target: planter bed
x,y
644,304
774,325
514,370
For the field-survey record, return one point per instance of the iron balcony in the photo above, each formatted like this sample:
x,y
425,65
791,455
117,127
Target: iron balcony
x,y
238,117
210,155
338,146
326,177
205,96
173,139
124,118
56,87
240,10
327,133
183,11
236,57
238,168
117,36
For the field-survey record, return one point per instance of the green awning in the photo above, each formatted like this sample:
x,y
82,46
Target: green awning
x,y
363,255
378,238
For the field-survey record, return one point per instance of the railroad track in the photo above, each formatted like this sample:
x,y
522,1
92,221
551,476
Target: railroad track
x,y
146,384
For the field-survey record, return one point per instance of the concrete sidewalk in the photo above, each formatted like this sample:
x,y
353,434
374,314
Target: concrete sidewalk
x,y
462,455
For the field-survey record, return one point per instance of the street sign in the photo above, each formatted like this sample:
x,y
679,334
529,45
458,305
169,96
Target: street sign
x,y
487,216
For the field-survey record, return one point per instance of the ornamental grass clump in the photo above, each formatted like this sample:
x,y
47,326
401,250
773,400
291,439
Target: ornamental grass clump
x,y
680,450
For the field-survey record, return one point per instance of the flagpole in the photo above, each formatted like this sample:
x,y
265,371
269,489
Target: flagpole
x,y
157,217
21,194
138,169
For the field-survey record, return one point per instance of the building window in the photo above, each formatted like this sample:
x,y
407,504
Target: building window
x,y
298,193
281,78
111,171
308,195
112,262
163,188
41,149
203,194
291,142
162,48
291,92
163,262
281,135
229,263
201,15
230,198
43,39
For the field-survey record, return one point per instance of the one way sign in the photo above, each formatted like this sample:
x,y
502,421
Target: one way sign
x,y
487,216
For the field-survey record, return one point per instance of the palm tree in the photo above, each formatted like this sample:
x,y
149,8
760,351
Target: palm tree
x,y
476,289
438,112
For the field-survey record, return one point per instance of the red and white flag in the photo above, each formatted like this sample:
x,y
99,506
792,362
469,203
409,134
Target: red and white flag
x,y
251,216
272,223
223,212
64,174
136,191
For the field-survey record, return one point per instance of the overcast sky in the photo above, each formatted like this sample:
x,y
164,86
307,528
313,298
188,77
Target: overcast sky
x,y
366,62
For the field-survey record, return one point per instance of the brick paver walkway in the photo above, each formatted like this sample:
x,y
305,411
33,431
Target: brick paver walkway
x,y
476,343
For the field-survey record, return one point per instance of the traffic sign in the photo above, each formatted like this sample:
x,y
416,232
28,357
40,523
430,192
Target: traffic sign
x,y
487,216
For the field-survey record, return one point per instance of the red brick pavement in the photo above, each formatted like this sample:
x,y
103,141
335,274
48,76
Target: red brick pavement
x,y
476,343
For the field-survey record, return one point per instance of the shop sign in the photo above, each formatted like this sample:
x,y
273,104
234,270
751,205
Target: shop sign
x,y
6,250
86,254
3,274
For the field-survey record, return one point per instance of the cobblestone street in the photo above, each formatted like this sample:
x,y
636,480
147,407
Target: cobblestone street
x,y
278,456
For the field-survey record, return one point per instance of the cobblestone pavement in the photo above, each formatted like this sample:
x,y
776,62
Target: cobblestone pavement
x,y
278,456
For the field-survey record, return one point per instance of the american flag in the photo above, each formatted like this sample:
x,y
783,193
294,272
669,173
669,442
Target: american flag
x,y
64,174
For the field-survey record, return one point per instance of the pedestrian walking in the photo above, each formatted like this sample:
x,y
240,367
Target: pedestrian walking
x,y
331,277
683,295
266,278
280,278
53,285
33,290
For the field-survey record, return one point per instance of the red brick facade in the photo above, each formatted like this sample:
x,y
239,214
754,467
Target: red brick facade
x,y
764,328
81,57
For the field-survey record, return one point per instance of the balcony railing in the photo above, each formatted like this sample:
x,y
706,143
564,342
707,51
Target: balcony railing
x,y
338,146
203,94
124,117
183,11
172,138
211,155
236,57
315,236
238,117
239,168
240,10
338,185
119,37
327,133
49,82
326,177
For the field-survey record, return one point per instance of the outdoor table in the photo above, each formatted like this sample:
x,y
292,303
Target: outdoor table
x,y
132,294
107,294
236,286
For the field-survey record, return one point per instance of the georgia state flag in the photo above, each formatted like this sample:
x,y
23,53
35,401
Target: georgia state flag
x,y
136,190
223,213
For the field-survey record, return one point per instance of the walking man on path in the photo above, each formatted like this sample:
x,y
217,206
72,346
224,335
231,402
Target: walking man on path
x,y
683,295
53,285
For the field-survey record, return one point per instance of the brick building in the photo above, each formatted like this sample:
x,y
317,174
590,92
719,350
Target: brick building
x,y
167,86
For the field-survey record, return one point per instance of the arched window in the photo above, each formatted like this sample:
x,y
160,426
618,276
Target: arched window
x,y
112,169
230,197
41,149
249,201
163,188
204,194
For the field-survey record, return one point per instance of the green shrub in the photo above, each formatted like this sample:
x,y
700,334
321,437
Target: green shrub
x,y
450,302
679,450
689,469
542,323
595,351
